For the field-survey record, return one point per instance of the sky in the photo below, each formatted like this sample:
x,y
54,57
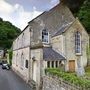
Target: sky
x,y
20,12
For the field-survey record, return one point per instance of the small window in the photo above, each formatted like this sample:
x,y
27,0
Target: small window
x,y
52,64
45,36
48,64
77,42
26,64
56,64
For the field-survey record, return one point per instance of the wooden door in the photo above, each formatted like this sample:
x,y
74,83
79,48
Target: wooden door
x,y
72,65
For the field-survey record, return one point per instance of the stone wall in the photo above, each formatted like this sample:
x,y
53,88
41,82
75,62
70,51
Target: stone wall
x,y
51,82
70,44
51,20
58,44
20,69
23,40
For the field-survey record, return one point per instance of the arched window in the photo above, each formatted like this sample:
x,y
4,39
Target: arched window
x,y
45,36
78,42
26,64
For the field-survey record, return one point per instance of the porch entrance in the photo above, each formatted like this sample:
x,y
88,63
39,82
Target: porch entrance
x,y
72,65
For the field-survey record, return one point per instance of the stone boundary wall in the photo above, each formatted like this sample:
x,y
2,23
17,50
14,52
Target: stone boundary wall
x,y
51,82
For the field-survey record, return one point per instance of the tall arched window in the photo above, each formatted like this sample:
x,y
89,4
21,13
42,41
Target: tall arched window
x,y
45,36
78,42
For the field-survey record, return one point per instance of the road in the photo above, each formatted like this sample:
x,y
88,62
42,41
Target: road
x,y
10,81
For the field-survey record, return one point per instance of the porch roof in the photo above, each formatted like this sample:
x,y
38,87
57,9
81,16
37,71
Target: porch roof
x,y
51,55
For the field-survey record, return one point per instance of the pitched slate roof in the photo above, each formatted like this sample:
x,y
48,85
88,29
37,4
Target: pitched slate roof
x,y
62,29
50,54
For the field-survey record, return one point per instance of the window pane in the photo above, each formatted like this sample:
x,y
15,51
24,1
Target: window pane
x,y
77,43
26,65
48,64
45,36
52,64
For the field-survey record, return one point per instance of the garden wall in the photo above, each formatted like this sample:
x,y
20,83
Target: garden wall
x,y
51,82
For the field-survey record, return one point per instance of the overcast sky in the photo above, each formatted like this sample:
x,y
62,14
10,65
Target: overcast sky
x,y
20,12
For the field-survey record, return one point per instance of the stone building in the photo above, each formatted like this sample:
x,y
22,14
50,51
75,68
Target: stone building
x,y
53,39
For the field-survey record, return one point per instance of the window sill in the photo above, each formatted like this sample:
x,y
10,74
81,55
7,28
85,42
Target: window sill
x,y
78,54
45,42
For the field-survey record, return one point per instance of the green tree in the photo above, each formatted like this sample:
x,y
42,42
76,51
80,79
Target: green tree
x,y
8,33
84,14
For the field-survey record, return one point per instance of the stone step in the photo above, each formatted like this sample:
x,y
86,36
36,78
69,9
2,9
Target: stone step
x,y
32,84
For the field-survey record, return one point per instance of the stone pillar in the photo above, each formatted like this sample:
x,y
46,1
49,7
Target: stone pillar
x,y
54,64
58,64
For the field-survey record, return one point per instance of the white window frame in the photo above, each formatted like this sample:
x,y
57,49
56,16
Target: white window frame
x,y
78,43
47,36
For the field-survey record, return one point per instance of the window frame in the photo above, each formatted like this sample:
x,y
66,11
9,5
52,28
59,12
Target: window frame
x,y
26,63
78,43
44,35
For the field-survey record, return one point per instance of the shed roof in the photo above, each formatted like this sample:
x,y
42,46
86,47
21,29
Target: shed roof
x,y
51,55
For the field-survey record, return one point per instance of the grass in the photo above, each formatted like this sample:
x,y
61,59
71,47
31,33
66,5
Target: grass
x,y
87,70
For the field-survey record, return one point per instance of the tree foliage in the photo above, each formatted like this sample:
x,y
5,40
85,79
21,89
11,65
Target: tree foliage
x,y
81,9
84,14
8,32
74,5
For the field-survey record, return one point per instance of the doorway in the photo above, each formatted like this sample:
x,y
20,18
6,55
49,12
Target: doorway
x,y
72,65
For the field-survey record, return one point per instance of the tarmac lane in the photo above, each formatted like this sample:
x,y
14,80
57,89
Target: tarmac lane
x,y
10,81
